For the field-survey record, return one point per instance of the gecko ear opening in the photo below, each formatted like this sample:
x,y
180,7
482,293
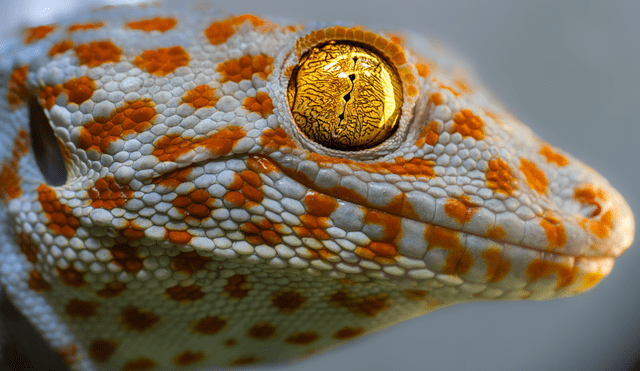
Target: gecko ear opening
x,y
46,146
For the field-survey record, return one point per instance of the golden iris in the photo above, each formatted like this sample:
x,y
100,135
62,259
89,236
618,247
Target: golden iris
x,y
345,96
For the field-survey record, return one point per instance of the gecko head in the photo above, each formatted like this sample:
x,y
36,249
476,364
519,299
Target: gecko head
x,y
353,136
290,171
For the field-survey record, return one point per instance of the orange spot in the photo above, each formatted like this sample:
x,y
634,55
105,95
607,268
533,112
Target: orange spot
x,y
495,117
101,350
348,333
188,358
429,135
556,236
248,360
273,140
185,293
383,249
79,90
189,262
139,364
237,286
49,94
68,354
108,194
85,26
200,96
134,319
125,256
37,283
318,204
33,34
365,253
458,259
423,70
416,166
9,178
497,268
468,124
71,277
132,234
27,247
497,233
600,228
261,331
412,91
210,325
389,223
462,85
173,178
302,338
98,52
458,210
179,237
17,91
61,220
153,24
368,306
435,99
218,144
553,156
195,204
499,177
261,165
287,301
133,117
243,69
607,219
111,290
565,274
294,27
219,32
261,104
162,61
396,38
81,308
534,176
251,178
261,231
415,295
60,47
591,279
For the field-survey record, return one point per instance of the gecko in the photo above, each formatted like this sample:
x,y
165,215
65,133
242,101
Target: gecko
x,y
213,211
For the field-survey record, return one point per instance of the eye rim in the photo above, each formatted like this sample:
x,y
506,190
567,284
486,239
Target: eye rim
x,y
289,59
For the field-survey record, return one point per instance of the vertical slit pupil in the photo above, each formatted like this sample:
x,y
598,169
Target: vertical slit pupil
x,y
45,146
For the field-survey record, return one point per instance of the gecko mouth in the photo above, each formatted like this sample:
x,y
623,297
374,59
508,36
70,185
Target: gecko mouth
x,y
563,246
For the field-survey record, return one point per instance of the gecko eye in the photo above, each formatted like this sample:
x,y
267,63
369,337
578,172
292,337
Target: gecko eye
x,y
345,96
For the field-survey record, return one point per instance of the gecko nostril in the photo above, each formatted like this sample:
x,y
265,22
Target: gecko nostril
x,y
590,198
46,147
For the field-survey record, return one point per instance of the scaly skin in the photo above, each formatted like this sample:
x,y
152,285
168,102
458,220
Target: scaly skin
x,y
198,227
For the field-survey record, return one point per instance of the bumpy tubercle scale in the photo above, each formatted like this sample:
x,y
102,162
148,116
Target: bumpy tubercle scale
x,y
200,226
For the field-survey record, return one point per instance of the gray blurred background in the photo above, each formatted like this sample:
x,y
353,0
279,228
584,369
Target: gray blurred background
x,y
569,70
